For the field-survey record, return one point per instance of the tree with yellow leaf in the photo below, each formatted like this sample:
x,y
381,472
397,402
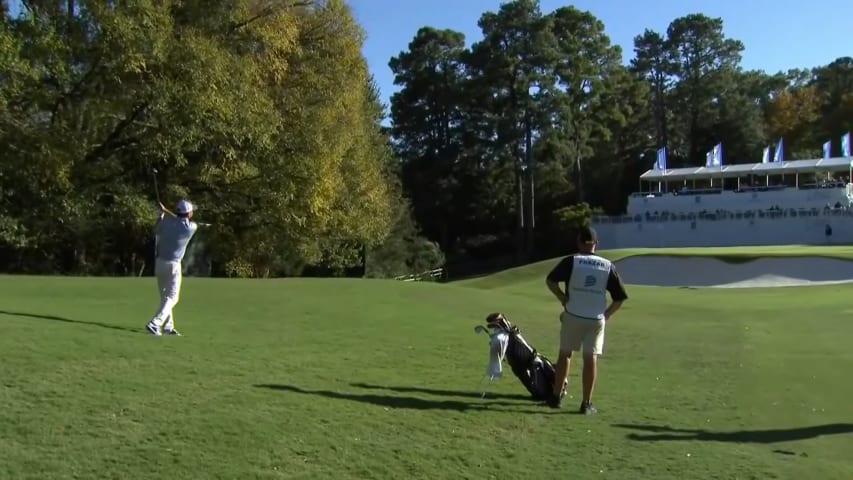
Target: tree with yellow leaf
x,y
257,111
790,115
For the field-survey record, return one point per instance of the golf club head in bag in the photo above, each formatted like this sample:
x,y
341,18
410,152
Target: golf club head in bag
x,y
533,369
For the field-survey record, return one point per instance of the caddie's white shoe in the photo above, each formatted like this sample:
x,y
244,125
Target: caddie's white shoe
x,y
153,329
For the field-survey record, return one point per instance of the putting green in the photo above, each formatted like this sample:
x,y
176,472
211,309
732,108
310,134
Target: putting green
x,y
535,272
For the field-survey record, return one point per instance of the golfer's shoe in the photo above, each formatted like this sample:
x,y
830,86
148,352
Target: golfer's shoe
x,y
587,409
171,332
153,329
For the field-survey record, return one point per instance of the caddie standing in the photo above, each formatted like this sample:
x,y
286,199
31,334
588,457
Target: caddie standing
x,y
173,233
588,278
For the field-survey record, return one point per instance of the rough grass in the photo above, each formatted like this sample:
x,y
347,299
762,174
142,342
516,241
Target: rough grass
x,y
352,379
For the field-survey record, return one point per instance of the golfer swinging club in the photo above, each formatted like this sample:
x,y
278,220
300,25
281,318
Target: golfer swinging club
x,y
173,234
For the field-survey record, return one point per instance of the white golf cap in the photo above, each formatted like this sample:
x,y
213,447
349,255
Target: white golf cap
x,y
184,206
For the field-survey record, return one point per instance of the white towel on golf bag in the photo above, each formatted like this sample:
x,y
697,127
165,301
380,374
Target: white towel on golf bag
x,y
497,351
498,342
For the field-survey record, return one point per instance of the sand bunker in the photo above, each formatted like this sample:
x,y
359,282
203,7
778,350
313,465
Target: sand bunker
x,y
684,271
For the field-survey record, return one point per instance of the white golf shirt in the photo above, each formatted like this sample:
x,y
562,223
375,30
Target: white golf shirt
x,y
173,236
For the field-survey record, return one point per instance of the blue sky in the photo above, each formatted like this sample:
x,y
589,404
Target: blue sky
x,y
777,34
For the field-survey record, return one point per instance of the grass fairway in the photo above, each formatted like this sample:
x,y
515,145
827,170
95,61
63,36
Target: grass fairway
x,y
352,379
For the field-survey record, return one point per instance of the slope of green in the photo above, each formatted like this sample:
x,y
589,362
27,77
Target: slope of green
x,y
535,272
352,379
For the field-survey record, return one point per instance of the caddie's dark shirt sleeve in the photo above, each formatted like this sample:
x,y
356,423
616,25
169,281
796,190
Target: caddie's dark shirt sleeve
x,y
615,286
562,272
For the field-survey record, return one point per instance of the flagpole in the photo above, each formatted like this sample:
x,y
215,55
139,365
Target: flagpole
x,y
720,161
845,152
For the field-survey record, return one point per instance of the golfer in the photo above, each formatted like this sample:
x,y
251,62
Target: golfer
x,y
173,233
588,278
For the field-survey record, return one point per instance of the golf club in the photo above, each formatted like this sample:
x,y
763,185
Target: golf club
x,y
156,188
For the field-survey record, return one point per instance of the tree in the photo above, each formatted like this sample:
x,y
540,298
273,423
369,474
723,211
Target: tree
x,y
703,61
514,65
256,111
791,115
834,82
427,127
594,102
654,61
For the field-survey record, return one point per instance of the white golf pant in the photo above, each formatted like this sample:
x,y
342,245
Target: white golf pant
x,y
169,283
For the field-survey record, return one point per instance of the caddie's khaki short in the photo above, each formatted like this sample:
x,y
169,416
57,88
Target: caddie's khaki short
x,y
577,333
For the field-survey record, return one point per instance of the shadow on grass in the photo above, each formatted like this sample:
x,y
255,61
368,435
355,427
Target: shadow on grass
x,y
739,436
69,320
389,401
440,392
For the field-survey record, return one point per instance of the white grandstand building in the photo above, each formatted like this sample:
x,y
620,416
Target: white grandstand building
x,y
779,203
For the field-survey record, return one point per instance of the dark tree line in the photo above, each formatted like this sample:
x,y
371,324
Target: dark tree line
x,y
264,114
508,143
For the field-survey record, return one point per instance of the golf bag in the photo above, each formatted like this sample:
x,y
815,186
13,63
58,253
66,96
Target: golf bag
x,y
533,369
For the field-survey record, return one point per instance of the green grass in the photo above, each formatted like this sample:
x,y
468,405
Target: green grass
x,y
352,379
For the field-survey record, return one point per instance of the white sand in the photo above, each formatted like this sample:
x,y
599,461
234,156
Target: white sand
x,y
675,271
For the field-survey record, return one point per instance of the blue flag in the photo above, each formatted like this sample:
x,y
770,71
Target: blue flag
x,y
714,157
777,155
660,164
827,146
765,155
845,145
